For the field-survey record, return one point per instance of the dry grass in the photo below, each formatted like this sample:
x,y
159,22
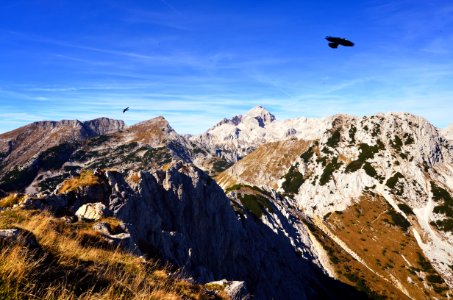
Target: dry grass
x,y
134,178
86,178
166,167
368,229
352,272
69,267
266,165
151,132
12,199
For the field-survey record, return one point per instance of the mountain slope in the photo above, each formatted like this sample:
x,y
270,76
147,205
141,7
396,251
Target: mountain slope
x,y
20,145
181,215
44,145
404,164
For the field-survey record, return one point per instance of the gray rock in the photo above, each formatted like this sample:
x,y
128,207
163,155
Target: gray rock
x,y
103,126
237,290
122,240
92,211
186,218
17,236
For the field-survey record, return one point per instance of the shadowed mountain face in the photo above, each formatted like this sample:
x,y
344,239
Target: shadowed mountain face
x,y
305,213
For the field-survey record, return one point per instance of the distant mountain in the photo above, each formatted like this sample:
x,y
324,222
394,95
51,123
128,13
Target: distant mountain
x,y
240,135
23,143
21,150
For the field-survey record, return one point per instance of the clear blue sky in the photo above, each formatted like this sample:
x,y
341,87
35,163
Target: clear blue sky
x,y
195,62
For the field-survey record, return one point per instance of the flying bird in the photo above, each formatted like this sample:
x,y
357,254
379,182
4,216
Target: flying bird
x,y
126,109
335,41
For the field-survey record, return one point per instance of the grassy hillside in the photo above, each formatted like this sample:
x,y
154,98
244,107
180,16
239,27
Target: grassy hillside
x,y
73,261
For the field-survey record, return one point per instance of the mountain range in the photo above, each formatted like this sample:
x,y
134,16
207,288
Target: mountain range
x,y
302,208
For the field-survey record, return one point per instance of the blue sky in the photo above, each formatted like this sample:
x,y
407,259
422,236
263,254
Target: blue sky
x,y
195,62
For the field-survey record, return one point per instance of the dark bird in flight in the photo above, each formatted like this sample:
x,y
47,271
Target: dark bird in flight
x,y
126,109
335,41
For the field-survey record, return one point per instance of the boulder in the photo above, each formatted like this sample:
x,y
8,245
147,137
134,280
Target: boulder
x,y
237,290
92,211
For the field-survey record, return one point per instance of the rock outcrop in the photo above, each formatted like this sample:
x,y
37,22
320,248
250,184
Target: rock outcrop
x,y
103,126
91,211
448,132
183,216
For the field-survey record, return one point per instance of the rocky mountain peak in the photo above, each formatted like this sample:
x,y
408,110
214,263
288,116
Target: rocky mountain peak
x,y
259,114
102,126
156,131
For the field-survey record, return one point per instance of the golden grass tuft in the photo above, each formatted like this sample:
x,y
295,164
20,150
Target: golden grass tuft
x,y
134,178
12,199
166,167
86,178
69,268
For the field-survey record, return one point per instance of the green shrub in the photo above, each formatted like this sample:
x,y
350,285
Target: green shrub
x,y
256,204
398,219
328,171
444,225
293,180
397,143
366,152
369,170
376,130
440,193
160,155
237,187
406,209
353,166
3,155
408,139
126,148
434,278
334,139
392,181
326,150
424,264
307,154
444,207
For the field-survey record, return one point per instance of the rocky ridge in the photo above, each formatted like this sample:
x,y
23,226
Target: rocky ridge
x,y
398,159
